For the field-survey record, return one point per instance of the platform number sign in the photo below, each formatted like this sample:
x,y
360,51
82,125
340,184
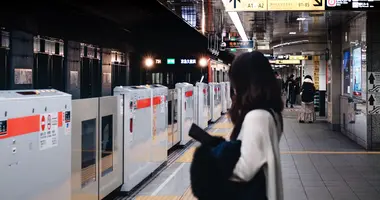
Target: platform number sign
x,y
331,3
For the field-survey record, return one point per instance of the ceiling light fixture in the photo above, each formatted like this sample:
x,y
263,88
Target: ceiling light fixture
x,y
301,19
292,33
237,22
290,43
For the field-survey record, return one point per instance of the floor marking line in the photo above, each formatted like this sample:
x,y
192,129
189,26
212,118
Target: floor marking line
x,y
333,152
155,192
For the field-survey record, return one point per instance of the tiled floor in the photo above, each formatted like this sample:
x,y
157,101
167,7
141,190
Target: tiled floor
x,y
317,164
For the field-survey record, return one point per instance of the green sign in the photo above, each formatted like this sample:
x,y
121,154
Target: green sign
x,y
171,61
233,50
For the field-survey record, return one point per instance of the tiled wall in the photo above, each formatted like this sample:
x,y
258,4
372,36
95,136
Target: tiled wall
x,y
72,50
21,60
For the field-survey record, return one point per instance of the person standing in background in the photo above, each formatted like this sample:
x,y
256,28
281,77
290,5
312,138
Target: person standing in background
x,y
297,90
279,79
307,113
290,90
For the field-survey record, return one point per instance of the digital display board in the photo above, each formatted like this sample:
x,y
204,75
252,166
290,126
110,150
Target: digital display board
x,y
239,44
357,71
352,4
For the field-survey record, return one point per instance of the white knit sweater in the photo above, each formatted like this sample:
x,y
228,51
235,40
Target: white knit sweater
x,y
260,147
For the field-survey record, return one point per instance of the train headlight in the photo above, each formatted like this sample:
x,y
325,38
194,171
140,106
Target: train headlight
x,y
203,62
149,62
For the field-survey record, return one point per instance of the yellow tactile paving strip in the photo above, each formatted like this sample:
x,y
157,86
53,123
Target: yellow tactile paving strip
x,y
188,195
223,125
187,156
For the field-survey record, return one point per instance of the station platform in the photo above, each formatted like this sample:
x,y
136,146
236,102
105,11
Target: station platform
x,y
317,164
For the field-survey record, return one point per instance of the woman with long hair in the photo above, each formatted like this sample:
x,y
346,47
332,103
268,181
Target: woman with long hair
x,y
248,166
256,115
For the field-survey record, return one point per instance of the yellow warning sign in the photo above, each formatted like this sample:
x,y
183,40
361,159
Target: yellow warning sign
x,y
316,60
275,5
295,5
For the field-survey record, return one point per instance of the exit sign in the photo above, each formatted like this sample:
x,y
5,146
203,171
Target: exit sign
x,y
171,61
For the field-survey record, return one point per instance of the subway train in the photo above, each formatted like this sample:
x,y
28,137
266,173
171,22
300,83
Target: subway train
x,y
54,146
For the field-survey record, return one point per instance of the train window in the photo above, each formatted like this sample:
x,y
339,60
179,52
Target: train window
x,y
161,79
188,77
88,174
107,145
153,78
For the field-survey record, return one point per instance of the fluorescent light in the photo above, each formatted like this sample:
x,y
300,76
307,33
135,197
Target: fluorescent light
x,y
239,26
292,33
301,19
237,22
203,17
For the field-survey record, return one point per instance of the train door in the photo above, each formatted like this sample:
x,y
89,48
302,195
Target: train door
x,y
90,85
48,64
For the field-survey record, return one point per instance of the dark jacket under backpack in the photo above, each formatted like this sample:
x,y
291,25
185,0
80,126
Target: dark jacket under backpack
x,y
308,91
211,169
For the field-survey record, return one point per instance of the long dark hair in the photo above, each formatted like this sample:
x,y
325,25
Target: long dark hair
x,y
256,87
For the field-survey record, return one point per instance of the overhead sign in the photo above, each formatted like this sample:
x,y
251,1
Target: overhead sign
x,y
275,5
352,5
292,57
188,61
158,61
170,61
288,62
239,44
296,5
246,5
303,57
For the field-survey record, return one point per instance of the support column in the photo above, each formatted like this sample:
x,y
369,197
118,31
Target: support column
x,y
334,84
373,65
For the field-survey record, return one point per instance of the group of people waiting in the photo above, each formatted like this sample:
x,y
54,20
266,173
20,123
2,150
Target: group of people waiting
x,y
295,92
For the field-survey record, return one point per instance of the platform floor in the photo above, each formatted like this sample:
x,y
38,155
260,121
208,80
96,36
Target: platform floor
x,y
317,164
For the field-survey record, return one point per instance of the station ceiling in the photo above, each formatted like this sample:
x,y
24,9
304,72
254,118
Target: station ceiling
x,y
265,27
